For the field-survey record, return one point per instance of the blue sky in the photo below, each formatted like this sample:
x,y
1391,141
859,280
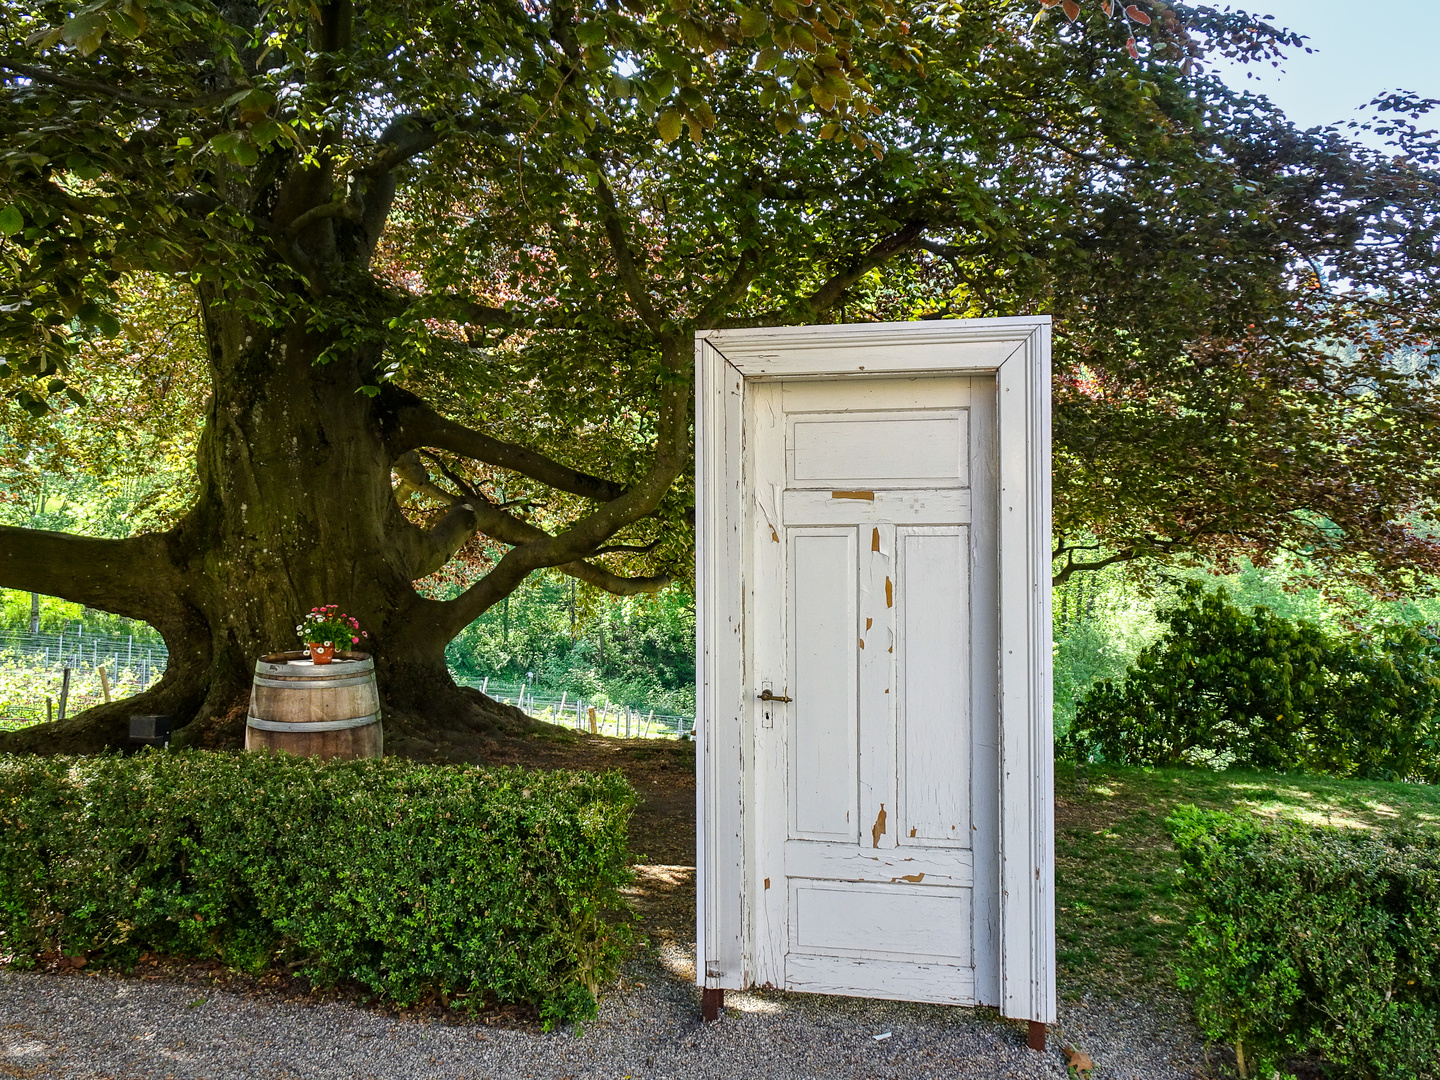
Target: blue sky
x,y
1360,50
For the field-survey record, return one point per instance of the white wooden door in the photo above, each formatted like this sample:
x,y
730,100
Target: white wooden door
x,y
871,531
873,543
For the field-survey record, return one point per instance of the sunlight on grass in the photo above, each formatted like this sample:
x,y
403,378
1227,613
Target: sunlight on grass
x,y
1120,913
1323,815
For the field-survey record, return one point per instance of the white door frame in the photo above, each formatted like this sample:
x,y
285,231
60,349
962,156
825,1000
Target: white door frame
x,y
1017,353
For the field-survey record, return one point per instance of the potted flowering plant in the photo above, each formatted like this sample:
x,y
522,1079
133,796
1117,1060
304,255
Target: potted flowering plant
x,y
327,628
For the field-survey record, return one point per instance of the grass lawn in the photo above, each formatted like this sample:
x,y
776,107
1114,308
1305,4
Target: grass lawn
x,y
1120,914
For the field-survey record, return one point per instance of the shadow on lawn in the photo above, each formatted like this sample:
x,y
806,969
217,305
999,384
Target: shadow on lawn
x,y
1120,912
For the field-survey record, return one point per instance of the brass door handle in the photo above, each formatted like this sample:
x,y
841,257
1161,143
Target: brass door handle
x,y
766,695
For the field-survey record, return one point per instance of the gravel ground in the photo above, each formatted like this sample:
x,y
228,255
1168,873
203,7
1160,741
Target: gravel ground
x,y
92,1026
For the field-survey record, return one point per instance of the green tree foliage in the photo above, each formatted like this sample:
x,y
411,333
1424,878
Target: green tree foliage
x,y
449,260
124,463
632,651
1260,690
58,615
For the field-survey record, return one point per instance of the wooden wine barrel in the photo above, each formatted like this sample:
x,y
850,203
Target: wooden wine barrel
x,y
329,710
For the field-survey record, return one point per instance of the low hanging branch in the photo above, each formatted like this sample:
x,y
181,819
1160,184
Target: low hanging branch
x,y
471,512
418,425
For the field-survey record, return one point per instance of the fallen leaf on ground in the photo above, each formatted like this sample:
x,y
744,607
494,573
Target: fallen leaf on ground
x,y
1077,1059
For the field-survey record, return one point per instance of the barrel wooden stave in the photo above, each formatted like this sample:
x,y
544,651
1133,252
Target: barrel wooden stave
x,y
357,742
290,691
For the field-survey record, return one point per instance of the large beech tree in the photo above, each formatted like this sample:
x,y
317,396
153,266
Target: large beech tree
x,y
449,260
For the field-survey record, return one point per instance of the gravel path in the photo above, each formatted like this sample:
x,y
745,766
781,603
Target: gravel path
x,y
93,1026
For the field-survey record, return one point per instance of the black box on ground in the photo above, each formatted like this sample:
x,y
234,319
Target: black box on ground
x,y
148,731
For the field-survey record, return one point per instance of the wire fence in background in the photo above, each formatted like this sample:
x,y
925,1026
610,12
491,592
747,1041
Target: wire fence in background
x,y
568,710
81,650
34,670
46,676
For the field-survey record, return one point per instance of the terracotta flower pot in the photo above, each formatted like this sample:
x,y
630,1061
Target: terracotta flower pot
x,y
321,654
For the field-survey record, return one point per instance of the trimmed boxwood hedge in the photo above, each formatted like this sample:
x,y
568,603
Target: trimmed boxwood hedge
x,y
1314,942
477,884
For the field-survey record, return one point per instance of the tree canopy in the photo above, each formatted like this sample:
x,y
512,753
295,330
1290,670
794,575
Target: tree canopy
x,y
449,260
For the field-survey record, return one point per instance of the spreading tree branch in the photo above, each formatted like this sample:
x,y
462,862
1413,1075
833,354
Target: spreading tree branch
x,y
409,135
625,263
824,298
1148,545
116,93
730,293
404,138
418,425
414,477
348,209
132,577
587,535
1071,567
614,584
829,293
638,549
471,512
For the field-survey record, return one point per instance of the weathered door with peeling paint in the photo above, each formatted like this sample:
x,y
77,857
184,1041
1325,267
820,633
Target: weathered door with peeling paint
x,y
870,541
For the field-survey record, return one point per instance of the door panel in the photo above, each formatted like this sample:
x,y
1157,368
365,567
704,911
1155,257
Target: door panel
x,y
905,980
822,727
923,449
842,919
934,662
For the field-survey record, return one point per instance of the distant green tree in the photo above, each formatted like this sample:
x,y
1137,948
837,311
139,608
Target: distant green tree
x,y
1260,690
631,650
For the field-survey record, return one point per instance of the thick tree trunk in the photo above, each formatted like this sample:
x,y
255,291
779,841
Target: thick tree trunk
x,y
296,509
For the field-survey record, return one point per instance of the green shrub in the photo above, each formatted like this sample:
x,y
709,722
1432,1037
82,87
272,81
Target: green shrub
x,y
1311,941
1228,687
409,879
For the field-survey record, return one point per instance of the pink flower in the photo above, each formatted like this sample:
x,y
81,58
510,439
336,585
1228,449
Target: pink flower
x,y
355,640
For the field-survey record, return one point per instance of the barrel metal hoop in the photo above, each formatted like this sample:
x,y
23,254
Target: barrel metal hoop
x,y
357,679
353,667
319,725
